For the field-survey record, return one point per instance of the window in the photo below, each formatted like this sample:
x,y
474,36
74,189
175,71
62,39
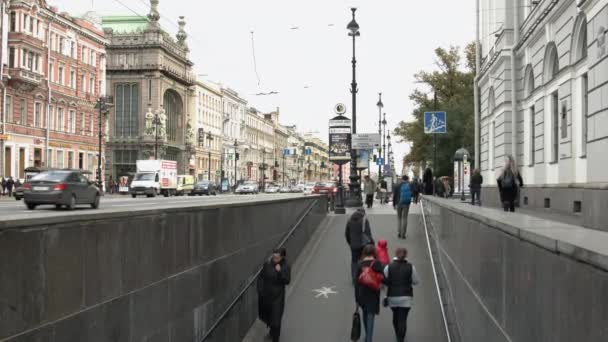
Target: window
x,y
92,58
38,114
84,59
92,85
61,45
60,159
60,122
82,123
8,108
555,127
49,158
60,75
72,49
30,61
73,79
92,125
90,161
11,57
51,72
13,21
83,85
126,110
532,136
71,121
51,124
584,114
24,21
564,120
23,112
70,159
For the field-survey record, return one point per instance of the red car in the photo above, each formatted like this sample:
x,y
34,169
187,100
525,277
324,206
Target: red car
x,y
328,188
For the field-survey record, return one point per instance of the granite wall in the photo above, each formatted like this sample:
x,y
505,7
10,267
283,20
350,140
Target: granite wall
x,y
151,275
505,285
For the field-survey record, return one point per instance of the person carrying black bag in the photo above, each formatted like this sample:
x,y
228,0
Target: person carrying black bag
x,y
399,277
358,234
275,275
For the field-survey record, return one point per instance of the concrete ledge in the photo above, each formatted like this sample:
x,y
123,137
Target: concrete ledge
x,y
583,244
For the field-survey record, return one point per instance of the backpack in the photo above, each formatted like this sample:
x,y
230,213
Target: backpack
x,y
370,278
405,196
508,179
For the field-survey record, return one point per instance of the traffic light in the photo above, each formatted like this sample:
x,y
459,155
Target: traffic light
x,y
237,156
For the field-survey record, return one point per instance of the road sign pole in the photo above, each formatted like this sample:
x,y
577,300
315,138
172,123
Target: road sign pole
x,y
435,153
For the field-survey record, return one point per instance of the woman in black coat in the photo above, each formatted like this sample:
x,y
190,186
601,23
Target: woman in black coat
x,y
368,299
427,180
275,275
507,184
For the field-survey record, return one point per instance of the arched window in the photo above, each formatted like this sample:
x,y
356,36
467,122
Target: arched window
x,y
551,63
579,38
172,104
528,81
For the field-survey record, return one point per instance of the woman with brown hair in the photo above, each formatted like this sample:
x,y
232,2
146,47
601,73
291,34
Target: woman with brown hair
x,y
400,276
368,298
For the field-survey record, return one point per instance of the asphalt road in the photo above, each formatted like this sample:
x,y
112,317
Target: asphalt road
x,y
11,209
312,317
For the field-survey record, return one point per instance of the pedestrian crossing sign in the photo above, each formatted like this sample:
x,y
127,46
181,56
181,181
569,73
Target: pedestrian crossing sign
x,y
435,123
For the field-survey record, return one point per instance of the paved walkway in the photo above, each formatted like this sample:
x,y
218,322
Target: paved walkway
x,y
326,264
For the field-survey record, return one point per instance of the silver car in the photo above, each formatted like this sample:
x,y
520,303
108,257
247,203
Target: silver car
x,y
248,188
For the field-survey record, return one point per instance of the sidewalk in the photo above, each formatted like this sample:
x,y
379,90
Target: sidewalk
x,y
326,264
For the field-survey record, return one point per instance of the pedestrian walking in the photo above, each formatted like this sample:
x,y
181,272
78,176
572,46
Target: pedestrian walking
x,y
402,198
369,188
476,182
427,180
10,183
400,277
447,188
358,235
368,298
271,283
382,192
415,187
3,186
439,189
382,252
507,184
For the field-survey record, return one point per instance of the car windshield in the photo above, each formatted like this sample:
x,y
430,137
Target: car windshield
x,y
327,185
203,183
250,183
54,176
144,177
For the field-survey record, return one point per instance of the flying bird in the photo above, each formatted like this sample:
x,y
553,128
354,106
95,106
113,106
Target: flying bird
x,y
295,28
265,94
330,25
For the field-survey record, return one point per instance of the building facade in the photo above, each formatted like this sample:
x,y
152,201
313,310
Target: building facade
x,y
234,109
257,163
316,159
543,89
150,76
52,76
209,123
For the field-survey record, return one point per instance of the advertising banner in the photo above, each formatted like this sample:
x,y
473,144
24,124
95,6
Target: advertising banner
x,y
363,159
339,140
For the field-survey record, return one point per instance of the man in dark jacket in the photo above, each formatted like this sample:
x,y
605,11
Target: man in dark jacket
x,y
10,183
476,181
275,275
358,234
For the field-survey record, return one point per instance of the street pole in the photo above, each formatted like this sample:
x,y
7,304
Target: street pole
x,y
435,105
221,167
236,159
354,199
156,135
284,184
100,103
380,106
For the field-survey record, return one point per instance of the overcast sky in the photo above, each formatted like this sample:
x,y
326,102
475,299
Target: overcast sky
x,y
310,66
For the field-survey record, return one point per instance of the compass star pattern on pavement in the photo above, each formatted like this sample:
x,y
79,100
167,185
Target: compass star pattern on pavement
x,y
324,292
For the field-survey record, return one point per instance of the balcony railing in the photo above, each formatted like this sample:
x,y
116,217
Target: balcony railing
x,y
27,76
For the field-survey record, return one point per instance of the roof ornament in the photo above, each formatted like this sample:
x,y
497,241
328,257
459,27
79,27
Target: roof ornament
x,y
154,15
181,34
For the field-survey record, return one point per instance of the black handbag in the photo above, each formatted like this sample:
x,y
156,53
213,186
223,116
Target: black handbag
x,y
355,331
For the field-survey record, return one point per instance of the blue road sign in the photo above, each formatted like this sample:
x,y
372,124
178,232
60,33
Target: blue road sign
x,y
286,152
379,161
435,123
307,152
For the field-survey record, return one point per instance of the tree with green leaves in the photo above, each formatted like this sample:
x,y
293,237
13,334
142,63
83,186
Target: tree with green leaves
x,y
449,89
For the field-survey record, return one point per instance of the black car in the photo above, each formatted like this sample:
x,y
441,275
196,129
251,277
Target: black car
x,y
204,188
60,188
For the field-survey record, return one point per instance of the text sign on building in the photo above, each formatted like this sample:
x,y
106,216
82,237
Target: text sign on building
x,y
435,123
366,141
339,140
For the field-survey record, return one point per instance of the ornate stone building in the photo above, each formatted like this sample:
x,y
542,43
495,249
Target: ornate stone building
x,y
52,75
149,73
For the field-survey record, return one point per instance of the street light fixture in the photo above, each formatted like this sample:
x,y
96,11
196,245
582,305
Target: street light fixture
x,y
236,158
209,140
380,106
384,137
354,199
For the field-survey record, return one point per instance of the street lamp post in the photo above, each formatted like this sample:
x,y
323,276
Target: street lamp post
x,y
103,104
236,158
383,154
380,106
354,199
209,140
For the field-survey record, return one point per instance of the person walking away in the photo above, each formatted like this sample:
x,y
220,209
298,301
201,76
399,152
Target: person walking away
x,y
369,188
368,298
476,182
271,283
507,184
358,234
427,180
382,252
382,192
3,186
10,183
402,198
415,187
400,277
439,190
447,189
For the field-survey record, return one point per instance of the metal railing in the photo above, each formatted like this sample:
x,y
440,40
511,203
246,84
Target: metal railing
x,y
428,243
254,278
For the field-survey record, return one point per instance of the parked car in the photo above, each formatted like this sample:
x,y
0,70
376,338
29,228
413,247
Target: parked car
x,y
308,188
248,188
286,190
272,189
204,188
61,188
325,188
29,173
